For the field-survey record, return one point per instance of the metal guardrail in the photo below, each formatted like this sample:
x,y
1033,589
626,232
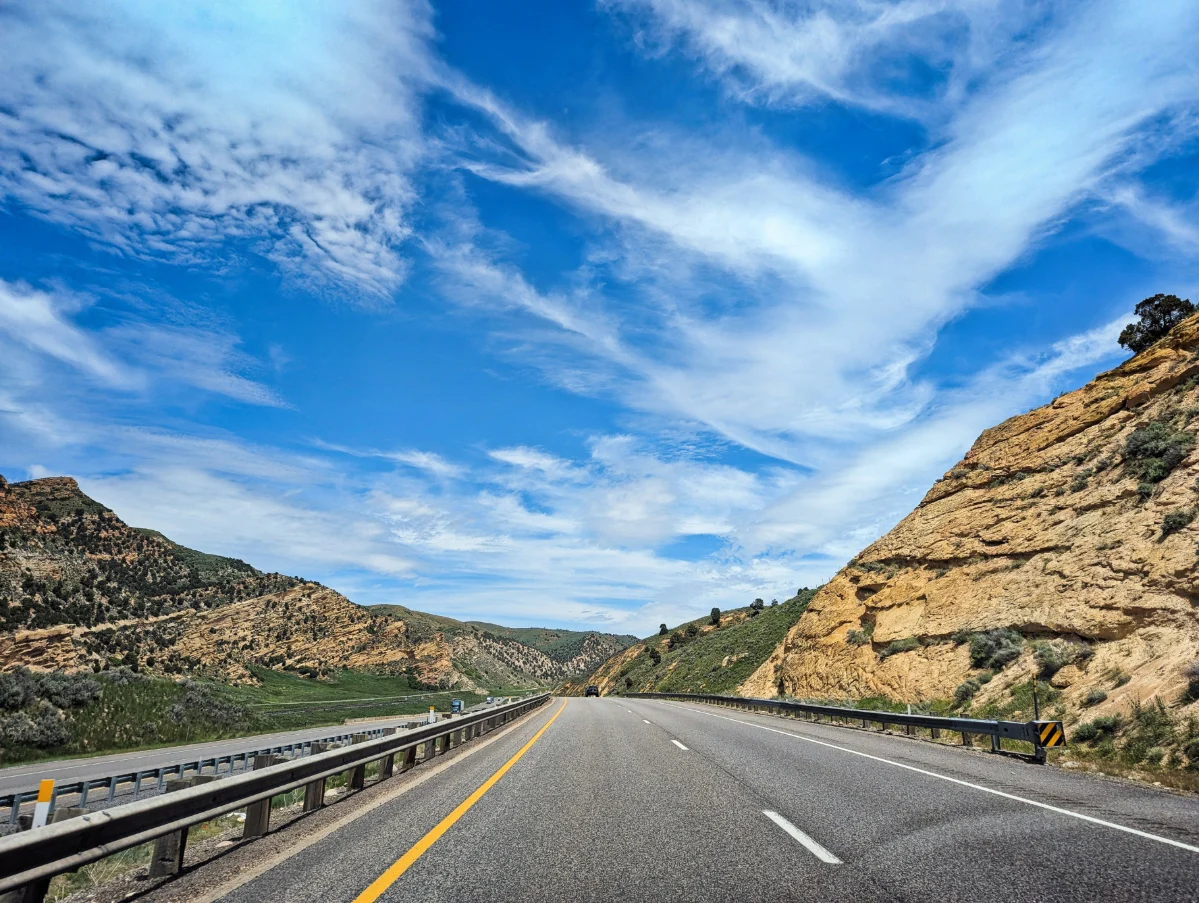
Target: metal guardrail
x,y
1033,732
31,858
138,780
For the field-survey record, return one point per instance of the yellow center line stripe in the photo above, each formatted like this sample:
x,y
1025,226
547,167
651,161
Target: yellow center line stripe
x,y
401,865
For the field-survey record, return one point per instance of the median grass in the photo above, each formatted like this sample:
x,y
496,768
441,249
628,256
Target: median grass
x,y
124,710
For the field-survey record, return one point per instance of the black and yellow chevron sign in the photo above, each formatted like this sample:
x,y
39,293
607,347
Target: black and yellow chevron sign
x,y
1051,733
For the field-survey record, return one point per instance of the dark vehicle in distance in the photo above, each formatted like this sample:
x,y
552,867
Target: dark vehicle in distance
x,y
592,690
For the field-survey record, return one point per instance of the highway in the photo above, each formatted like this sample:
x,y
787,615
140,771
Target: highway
x,y
611,799
25,777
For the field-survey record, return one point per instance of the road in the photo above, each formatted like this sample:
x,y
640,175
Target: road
x,y
26,777
612,799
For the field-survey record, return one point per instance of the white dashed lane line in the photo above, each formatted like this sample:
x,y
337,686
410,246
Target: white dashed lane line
x,y
679,745
808,843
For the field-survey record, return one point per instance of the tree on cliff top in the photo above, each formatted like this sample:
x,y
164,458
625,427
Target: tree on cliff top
x,y
1158,315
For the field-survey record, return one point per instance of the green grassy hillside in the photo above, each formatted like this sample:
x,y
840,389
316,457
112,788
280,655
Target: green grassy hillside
x,y
699,657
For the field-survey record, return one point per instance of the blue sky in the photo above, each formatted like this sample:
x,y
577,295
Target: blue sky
x,y
581,314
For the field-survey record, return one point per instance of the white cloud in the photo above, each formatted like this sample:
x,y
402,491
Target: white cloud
x,y
880,55
832,296
40,322
169,130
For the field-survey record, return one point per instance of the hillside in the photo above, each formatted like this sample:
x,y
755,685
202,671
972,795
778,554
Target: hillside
x,y
1063,543
698,656
81,590
579,651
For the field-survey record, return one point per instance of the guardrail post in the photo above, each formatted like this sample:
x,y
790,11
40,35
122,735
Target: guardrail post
x,y
409,760
995,743
36,892
314,791
167,858
388,764
936,732
357,776
258,815
966,740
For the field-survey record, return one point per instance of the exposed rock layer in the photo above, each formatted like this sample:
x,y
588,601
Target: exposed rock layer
x,y
1049,526
81,590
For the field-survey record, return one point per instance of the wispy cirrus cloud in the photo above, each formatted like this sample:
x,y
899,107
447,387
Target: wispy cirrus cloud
x,y
171,131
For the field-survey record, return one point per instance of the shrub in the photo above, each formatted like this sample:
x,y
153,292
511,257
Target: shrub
x,y
960,637
860,637
714,618
1156,316
1191,673
654,655
1154,755
907,644
966,690
663,630
1150,726
692,631
1085,732
1175,521
1152,451
1108,724
1051,657
1119,679
1094,697
1192,752
995,648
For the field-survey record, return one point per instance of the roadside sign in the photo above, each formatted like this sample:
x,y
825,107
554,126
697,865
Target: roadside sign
x,y
1050,733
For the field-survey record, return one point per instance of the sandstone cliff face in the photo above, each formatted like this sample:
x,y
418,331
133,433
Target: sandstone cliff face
x,y
81,590
308,628
1070,523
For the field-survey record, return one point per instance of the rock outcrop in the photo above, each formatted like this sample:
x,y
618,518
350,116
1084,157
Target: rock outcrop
x,y
1070,525
82,590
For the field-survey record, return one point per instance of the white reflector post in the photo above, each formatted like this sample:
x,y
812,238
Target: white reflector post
x,y
41,811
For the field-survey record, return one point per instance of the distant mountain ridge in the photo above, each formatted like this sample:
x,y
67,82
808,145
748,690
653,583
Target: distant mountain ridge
x,y
82,590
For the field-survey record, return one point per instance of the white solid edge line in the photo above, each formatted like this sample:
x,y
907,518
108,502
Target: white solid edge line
x,y
941,777
679,745
812,846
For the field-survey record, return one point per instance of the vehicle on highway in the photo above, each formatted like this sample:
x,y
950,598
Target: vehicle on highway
x,y
456,706
592,690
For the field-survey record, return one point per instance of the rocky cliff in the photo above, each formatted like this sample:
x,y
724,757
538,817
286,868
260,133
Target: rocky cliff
x,y
1063,542
82,590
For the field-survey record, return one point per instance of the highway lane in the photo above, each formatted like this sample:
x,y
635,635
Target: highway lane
x,y
647,800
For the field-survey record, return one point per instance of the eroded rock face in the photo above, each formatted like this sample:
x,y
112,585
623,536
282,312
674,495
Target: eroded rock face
x,y
1050,526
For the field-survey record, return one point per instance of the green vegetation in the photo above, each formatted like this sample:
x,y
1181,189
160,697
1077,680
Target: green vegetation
x,y
56,715
1153,451
907,644
1053,655
1176,520
700,658
1156,317
995,648
1191,673
860,637
560,645
1094,697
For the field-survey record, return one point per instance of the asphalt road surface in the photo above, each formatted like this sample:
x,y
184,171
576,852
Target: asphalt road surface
x,y
26,777
631,800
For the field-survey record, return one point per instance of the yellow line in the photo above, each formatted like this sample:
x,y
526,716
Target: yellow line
x,y
401,865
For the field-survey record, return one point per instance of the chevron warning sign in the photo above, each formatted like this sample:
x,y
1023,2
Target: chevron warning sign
x,y
1050,733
